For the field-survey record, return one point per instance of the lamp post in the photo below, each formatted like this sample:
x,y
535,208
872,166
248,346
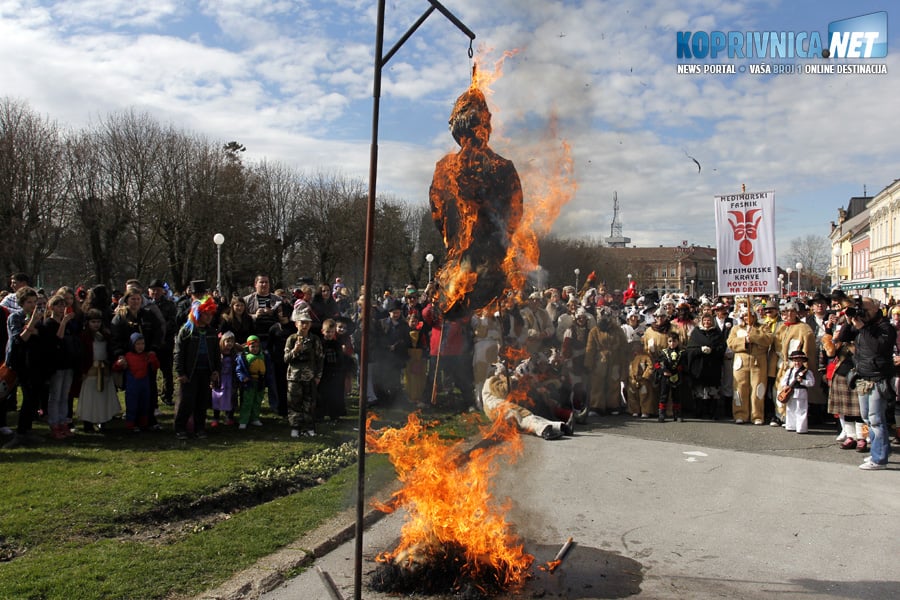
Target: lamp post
x,y
789,271
799,266
577,273
218,240
715,292
781,284
692,288
429,258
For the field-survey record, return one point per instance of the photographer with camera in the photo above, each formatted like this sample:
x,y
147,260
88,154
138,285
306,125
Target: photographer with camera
x,y
30,342
874,338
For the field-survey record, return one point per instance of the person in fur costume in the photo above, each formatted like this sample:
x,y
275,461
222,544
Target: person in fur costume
x,y
605,359
641,397
683,322
499,396
750,341
655,340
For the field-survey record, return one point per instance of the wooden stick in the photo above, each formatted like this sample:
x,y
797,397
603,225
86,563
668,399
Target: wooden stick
x,y
564,550
330,585
561,554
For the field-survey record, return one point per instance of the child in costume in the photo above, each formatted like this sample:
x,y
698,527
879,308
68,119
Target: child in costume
x,y
97,401
669,370
304,356
138,367
224,393
251,374
793,392
64,360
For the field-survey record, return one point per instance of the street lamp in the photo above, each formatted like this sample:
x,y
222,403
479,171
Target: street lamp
x,y
715,292
429,258
781,284
692,288
789,271
577,273
218,240
799,266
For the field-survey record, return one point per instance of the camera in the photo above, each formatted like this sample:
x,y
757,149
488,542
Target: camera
x,y
855,311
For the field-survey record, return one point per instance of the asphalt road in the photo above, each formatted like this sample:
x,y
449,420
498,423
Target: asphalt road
x,y
698,509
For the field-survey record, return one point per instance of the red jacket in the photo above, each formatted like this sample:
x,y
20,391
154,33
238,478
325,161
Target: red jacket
x,y
139,364
448,338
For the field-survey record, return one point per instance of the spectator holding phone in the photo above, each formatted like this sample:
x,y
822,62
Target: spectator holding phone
x,y
30,343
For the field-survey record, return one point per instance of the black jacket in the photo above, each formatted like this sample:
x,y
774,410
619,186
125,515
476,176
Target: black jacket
x,y
187,343
874,356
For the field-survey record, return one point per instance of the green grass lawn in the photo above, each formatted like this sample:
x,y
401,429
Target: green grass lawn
x,y
124,515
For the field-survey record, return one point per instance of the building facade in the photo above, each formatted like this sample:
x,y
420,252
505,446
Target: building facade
x,y
865,245
687,268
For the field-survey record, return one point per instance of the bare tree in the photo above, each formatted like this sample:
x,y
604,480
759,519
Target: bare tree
x,y
188,206
131,146
99,215
33,212
813,252
277,191
332,227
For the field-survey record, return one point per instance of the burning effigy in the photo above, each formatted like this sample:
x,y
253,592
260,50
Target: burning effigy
x,y
456,536
476,203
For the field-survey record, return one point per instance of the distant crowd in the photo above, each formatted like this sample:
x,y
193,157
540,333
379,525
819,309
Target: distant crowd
x,y
577,354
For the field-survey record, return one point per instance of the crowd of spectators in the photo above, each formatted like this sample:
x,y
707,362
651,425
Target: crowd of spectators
x,y
826,360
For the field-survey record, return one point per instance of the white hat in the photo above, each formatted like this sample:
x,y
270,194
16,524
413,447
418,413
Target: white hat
x,y
301,314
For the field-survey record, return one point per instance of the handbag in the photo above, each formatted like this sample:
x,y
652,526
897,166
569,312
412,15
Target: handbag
x,y
830,369
7,380
852,376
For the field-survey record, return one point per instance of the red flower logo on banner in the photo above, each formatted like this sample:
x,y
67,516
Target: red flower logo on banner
x,y
745,229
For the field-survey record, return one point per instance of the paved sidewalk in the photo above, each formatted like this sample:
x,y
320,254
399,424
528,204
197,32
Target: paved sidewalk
x,y
664,519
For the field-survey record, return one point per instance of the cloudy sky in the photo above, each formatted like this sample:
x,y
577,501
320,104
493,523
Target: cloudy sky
x,y
292,81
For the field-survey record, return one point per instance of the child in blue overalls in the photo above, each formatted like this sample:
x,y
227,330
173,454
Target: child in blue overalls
x,y
137,367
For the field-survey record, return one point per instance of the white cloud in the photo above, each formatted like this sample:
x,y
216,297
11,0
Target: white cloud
x,y
293,82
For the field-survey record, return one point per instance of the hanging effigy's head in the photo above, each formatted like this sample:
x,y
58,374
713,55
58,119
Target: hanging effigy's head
x,y
471,118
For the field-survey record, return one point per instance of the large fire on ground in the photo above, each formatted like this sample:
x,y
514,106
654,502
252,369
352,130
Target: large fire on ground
x,y
456,534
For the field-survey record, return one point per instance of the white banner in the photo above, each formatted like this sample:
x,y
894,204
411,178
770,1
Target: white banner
x,y
745,256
